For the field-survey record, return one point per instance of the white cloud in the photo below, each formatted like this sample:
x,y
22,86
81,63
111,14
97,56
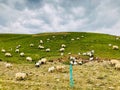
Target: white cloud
x,y
78,11
49,16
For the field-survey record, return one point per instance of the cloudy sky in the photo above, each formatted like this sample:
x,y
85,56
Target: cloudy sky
x,y
36,16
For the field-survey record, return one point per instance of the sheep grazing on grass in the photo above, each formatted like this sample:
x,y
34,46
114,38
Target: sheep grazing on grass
x,y
89,53
8,65
60,68
18,46
69,53
40,47
61,54
82,36
21,76
91,58
53,36
113,62
8,54
73,60
75,63
31,45
51,69
117,66
80,62
17,50
47,50
72,39
77,38
22,54
115,47
117,38
43,61
40,62
62,49
79,53
109,45
92,51
84,54
3,50
41,41
48,39
63,45
56,68
37,64
29,59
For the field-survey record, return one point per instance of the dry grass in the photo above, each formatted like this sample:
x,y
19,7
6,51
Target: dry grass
x,y
90,76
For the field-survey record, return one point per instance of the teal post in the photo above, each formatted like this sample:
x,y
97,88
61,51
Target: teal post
x,y
71,76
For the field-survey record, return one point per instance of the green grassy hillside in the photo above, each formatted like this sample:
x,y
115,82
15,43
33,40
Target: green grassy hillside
x,y
89,76
90,41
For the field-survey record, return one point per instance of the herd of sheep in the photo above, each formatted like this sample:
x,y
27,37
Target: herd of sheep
x,y
72,60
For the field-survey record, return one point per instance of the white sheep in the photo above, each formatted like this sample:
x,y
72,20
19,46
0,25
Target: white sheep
x,y
37,64
79,53
17,50
47,50
48,39
8,54
91,58
84,54
3,50
51,69
117,38
22,54
72,39
69,53
63,45
82,36
75,63
77,38
117,66
89,53
8,65
61,54
72,58
60,68
62,49
31,45
71,62
18,46
113,62
92,51
115,47
80,62
21,76
40,47
29,59
43,61
53,36
41,41
109,45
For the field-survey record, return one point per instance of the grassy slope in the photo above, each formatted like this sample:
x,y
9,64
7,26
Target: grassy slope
x,y
89,76
90,41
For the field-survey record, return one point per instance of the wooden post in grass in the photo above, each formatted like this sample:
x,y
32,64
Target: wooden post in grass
x,y
71,76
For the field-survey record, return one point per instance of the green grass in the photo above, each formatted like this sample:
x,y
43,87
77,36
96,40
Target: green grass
x,y
89,76
90,41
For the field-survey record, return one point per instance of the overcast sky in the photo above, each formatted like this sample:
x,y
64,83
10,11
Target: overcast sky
x,y
36,16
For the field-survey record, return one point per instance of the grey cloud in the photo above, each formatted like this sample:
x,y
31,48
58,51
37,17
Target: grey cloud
x,y
35,16
34,4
